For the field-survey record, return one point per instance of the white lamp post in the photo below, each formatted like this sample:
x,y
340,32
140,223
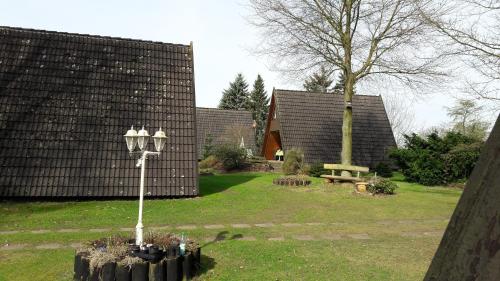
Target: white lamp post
x,y
140,139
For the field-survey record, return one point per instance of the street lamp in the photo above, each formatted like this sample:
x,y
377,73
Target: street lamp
x,y
140,139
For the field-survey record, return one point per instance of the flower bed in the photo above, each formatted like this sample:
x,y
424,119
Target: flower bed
x,y
165,257
292,181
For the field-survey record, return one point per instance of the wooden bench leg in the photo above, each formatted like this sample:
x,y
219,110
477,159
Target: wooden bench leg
x,y
328,181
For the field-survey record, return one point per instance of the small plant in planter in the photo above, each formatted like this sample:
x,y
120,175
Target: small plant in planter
x,y
163,257
381,186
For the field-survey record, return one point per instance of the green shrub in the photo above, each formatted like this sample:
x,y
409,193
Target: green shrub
x,y
460,161
209,162
381,186
208,147
317,170
206,172
433,160
294,162
230,156
383,169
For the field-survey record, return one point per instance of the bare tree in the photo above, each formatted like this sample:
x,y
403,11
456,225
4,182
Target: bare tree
x,y
472,28
466,115
360,39
401,116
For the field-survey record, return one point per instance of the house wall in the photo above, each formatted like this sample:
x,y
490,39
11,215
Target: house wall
x,y
272,137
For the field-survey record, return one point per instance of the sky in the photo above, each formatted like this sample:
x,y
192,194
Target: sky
x,y
222,37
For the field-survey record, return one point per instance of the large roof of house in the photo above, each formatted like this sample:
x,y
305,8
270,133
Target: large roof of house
x,y
313,122
66,101
224,126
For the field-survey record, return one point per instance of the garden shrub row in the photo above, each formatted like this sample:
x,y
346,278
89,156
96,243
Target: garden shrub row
x,y
434,160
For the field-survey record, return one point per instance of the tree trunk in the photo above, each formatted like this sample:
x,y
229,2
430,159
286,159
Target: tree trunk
x,y
346,155
470,248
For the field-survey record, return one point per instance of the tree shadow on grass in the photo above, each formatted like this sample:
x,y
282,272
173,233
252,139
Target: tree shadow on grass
x,y
207,262
219,183
221,236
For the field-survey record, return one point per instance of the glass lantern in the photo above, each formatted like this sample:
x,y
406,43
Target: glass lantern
x,y
143,138
131,139
160,139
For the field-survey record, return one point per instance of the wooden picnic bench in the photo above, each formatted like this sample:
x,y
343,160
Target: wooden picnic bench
x,y
340,167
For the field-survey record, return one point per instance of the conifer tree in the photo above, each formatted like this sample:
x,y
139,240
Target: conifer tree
x,y
339,86
318,82
259,106
236,96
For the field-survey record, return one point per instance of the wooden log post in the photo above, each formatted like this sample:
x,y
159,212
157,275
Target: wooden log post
x,y
157,271
172,269
470,248
188,266
81,267
123,273
108,272
140,271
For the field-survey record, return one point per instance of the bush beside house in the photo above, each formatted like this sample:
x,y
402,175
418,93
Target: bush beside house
x,y
294,163
434,160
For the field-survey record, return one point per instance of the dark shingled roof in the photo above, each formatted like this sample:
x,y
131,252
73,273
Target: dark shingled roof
x,y
66,100
224,126
313,122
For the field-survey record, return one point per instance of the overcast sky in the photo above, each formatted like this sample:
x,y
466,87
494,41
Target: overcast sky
x,y
222,39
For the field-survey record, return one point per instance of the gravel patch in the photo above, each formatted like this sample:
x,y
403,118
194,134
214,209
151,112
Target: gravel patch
x,y
303,237
40,231
8,247
267,224
50,246
291,224
214,226
240,225
68,230
359,236
186,227
281,238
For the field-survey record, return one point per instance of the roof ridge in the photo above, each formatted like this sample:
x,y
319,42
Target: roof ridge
x,y
307,92
221,109
88,35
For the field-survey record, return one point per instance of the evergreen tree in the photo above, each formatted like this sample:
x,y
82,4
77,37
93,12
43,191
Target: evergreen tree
x,y
318,82
236,96
339,86
259,106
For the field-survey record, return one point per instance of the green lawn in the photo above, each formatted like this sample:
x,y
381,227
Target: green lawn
x,y
318,211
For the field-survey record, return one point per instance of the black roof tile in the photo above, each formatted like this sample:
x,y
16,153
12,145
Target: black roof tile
x,y
222,125
313,122
67,99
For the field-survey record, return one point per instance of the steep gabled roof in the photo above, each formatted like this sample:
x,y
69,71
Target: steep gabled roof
x,y
67,99
222,126
313,122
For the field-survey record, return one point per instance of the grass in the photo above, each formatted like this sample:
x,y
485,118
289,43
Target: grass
x,y
251,198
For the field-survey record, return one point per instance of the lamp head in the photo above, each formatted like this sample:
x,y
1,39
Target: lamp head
x,y
160,139
143,138
131,139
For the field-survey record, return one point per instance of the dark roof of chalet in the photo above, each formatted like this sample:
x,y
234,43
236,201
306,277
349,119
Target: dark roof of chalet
x,y
219,124
313,122
66,101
